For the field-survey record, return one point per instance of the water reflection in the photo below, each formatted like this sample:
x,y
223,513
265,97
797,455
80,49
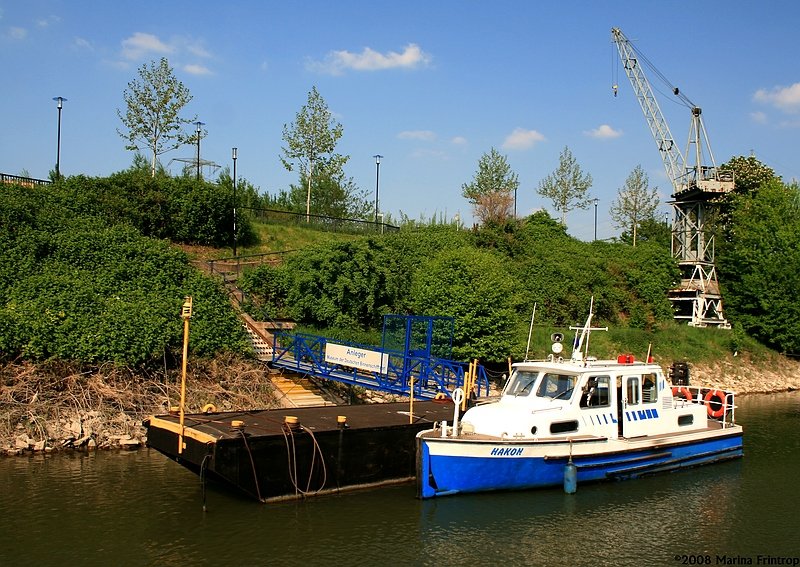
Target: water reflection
x,y
139,508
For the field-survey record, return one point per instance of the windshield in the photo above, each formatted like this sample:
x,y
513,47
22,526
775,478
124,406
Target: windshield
x,y
521,383
556,386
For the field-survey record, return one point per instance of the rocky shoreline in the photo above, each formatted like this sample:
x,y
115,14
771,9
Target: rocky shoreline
x,y
45,423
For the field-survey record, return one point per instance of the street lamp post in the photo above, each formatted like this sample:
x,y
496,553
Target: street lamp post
x,y
199,132
234,156
59,104
377,180
595,217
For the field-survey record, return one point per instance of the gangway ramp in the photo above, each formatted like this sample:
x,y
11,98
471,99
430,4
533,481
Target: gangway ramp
x,y
398,372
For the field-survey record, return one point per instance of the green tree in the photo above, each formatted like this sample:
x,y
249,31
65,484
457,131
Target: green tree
x,y
336,195
749,173
635,202
759,267
493,188
480,299
152,118
311,141
650,230
567,187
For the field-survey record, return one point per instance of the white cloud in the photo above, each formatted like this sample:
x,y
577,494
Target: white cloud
x,y
786,99
141,44
424,135
45,22
197,49
459,141
82,43
603,132
194,69
17,33
758,117
521,139
337,62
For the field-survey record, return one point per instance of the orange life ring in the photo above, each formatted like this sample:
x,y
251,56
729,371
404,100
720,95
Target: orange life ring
x,y
720,395
683,390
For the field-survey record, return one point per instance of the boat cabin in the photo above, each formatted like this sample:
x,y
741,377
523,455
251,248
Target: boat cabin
x,y
602,398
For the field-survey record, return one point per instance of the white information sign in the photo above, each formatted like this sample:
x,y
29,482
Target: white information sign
x,y
360,358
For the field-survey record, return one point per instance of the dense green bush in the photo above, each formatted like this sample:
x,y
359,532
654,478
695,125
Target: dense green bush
x,y
473,287
73,287
487,279
181,209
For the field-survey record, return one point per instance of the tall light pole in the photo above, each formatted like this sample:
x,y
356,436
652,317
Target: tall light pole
x,y
234,155
515,203
59,104
377,180
199,132
595,217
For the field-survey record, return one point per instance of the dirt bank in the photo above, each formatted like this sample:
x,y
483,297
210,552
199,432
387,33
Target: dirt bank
x,y
56,407
745,376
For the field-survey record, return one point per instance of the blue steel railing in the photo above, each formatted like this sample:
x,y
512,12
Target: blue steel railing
x,y
305,353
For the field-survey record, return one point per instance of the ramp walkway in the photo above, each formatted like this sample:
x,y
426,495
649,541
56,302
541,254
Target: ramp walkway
x,y
394,372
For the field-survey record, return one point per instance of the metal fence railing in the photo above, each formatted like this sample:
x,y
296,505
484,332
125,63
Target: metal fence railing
x,y
334,224
24,181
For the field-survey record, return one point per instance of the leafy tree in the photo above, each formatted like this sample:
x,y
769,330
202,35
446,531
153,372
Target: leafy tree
x,y
567,186
759,267
492,190
152,118
749,173
480,299
635,202
337,285
311,141
336,195
650,230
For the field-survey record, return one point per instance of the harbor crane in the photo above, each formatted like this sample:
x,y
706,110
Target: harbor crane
x,y
697,184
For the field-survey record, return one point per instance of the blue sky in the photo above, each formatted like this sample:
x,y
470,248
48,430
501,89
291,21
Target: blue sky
x,y
430,85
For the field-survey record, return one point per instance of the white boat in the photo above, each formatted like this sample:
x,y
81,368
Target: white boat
x,y
570,421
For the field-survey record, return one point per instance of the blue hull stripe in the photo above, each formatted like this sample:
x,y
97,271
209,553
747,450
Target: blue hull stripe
x,y
437,475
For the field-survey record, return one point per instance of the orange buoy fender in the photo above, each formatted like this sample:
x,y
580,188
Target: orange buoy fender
x,y
683,391
720,399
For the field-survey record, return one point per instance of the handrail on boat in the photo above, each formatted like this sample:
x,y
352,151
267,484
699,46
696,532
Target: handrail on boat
x,y
704,396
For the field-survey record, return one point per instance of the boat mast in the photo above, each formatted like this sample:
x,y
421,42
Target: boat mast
x,y
582,342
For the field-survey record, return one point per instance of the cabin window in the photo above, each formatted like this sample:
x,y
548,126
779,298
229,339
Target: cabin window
x,y
522,383
685,419
595,393
632,390
556,386
563,426
649,391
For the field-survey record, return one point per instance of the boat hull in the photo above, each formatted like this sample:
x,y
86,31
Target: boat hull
x,y
452,465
